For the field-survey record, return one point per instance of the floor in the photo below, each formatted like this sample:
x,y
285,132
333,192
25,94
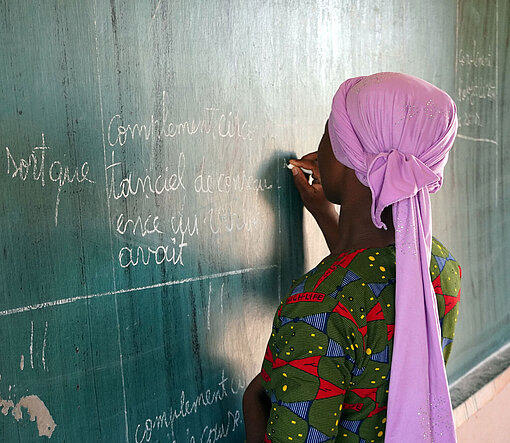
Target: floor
x,y
485,416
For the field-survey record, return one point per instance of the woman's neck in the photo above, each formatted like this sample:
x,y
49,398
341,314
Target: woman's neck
x,y
356,229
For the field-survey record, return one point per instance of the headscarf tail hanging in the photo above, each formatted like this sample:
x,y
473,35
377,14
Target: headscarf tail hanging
x,y
395,131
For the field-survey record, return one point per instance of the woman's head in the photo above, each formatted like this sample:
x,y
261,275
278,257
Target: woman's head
x,y
339,182
395,131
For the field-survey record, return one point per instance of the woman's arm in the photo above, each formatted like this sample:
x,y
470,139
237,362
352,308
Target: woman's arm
x,y
256,405
314,199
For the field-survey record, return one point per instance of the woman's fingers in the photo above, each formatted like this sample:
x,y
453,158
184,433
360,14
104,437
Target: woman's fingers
x,y
309,161
301,182
312,195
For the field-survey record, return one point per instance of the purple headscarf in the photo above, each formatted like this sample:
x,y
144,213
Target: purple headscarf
x,y
395,131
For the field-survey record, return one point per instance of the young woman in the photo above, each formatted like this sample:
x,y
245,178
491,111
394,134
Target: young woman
x,y
358,346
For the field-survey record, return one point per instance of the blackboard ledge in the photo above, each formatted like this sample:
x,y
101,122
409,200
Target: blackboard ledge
x,y
480,385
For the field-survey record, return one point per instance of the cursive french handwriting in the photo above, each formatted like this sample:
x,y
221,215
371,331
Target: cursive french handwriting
x,y
169,253
215,122
34,167
226,183
131,185
167,419
476,87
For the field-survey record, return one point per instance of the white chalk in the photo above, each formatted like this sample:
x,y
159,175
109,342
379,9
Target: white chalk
x,y
306,171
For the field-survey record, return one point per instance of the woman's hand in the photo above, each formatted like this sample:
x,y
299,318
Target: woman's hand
x,y
313,197
312,194
256,406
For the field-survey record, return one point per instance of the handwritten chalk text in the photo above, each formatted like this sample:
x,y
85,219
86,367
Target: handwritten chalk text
x,y
146,430
226,183
216,122
154,184
34,167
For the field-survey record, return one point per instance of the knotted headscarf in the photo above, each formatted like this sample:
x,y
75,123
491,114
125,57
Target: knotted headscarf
x,y
395,131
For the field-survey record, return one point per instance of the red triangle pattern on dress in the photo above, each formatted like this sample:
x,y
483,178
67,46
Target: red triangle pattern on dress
x,y
328,390
376,313
343,261
308,364
450,302
365,392
391,331
437,285
344,312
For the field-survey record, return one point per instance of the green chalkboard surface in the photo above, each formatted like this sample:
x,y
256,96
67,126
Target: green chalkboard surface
x,y
148,226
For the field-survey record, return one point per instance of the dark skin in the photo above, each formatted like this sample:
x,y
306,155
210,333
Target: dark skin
x,y
333,183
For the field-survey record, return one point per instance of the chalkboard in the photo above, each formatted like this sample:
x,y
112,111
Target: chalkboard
x,y
480,181
148,225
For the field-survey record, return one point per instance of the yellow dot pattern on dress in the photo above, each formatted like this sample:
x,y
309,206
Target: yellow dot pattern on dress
x,y
284,388
382,268
368,351
380,433
371,258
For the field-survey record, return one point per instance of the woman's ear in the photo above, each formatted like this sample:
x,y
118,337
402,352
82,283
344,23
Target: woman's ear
x,y
387,216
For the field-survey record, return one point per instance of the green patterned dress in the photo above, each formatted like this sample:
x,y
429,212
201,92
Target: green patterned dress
x,y
328,360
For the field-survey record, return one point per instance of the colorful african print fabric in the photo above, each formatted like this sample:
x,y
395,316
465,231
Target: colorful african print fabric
x,y
328,360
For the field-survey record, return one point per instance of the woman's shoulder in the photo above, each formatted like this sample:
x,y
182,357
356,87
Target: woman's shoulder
x,y
445,270
442,259
440,250
362,265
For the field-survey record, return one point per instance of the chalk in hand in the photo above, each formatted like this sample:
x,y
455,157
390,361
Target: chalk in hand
x,y
306,171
